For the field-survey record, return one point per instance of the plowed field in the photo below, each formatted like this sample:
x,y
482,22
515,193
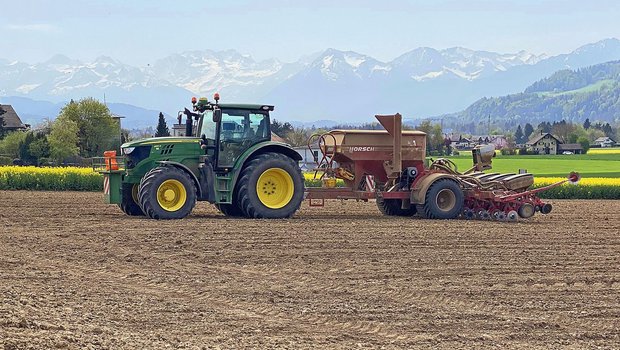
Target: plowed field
x,y
78,274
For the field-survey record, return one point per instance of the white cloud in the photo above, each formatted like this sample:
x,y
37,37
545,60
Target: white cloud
x,y
33,27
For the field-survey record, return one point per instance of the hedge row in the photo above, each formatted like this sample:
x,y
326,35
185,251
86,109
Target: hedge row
x,y
582,192
587,188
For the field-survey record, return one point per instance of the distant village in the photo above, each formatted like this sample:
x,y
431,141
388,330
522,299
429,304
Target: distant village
x,y
539,142
543,143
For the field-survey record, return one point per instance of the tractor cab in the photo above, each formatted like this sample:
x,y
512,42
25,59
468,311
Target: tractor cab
x,y
226,131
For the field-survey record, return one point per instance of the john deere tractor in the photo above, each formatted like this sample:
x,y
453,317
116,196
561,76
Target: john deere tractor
x,y
226,157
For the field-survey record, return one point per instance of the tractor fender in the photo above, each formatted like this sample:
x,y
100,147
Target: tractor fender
x,y
275,147
418,192
186,169
260,148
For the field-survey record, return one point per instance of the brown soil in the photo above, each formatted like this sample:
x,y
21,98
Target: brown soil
x,y
76,274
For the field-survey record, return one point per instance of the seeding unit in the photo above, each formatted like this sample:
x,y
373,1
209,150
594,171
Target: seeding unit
x,y
390,165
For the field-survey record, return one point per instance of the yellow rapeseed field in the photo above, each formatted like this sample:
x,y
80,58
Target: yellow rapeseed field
x,y
604,151
57,179
592,181
5,170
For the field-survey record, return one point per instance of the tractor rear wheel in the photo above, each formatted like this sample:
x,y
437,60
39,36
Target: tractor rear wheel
x,y
444,200
231,210
392,207
166,193
129,200
271,186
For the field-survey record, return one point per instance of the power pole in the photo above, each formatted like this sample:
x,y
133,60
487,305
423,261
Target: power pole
x,y
489,126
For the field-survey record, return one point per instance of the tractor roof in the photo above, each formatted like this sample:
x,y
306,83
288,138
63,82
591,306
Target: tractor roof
x,y
246,106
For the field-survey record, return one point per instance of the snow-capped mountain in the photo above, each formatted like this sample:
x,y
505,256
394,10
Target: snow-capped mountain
x,y
61,75
234,75
420,83
62,78
335,65
332,84
426,63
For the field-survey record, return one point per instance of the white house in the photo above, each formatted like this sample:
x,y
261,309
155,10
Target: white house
x,y
309,156
605,142
544,143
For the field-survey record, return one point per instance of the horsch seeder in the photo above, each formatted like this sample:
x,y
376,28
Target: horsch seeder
x,y
390,165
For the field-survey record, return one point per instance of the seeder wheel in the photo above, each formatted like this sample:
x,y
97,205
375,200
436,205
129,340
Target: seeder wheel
x,y
499,215
444,200
512,216
484,215
469,214
526,211
392,207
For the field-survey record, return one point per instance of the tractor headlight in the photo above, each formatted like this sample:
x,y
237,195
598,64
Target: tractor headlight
x,y
128,150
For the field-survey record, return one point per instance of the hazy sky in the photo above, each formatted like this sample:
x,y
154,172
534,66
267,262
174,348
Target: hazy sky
x,y
140,31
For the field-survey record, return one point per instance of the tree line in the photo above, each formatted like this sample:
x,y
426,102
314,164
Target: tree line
x,y
83,129
436,142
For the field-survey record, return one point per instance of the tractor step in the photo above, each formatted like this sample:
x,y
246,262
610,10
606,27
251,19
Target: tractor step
x,y
223,190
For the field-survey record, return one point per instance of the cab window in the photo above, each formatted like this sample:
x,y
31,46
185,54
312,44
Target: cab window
x,y
240,129
208,126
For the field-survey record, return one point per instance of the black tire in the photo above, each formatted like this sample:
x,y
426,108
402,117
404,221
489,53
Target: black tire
x,y
420,211
444,200
231,210
392,207
150,185
247,196
128,204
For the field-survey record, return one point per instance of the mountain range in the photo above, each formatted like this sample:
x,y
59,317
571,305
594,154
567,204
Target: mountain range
x,y
332,85
573,95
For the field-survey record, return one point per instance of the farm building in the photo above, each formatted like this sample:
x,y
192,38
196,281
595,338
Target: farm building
x,y
574,148
547,143
458,141
544,143
177,130
605,142
308,156
499,141
12,122
277,138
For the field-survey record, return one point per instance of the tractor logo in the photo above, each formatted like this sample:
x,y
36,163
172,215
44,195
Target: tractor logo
x,y
361,149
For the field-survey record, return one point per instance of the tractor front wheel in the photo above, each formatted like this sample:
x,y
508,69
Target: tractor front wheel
x,y
166,193
271,186
129,200
444,200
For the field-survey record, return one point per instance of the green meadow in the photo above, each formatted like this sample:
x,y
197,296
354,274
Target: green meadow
x,y
588,165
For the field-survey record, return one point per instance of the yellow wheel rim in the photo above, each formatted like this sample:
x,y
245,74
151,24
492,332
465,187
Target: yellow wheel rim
x,y
275,188
171,195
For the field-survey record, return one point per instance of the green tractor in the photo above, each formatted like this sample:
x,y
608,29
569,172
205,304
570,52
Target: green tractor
x,y
227,157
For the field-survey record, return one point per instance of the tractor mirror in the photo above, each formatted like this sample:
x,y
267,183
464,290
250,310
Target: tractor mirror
x,y
217,115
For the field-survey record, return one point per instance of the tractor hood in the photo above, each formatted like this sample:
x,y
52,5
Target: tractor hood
x,y
160,141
